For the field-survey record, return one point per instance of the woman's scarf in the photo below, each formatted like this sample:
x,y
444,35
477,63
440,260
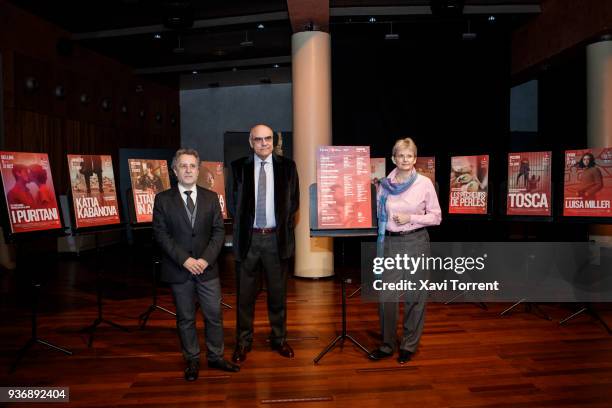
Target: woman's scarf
x,y
388,187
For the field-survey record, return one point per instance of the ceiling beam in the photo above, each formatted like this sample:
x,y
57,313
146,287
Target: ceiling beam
x,y
309,15
424,10
561,26
205,66
158,28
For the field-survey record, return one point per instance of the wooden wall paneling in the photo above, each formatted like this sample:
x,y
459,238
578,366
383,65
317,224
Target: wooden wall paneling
x,y
11,132
8,78
156,119
172,125
73,96
139,119
106,94
30,69
85,112
123,109
60,82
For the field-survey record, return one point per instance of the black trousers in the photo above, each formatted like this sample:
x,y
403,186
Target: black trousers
x,y
264,251
209,295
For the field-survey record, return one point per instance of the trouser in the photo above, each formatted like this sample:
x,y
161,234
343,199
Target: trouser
x,y
416,244
264,250
209,296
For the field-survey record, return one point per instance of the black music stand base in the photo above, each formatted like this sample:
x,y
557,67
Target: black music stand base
x,y
530,307
481,304
35,339
144,317
587,308
91,329
344,335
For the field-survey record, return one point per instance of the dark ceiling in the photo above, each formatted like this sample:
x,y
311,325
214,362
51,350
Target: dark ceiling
x,y
254,34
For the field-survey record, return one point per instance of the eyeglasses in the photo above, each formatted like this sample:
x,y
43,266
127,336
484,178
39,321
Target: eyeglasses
x,y
185,166
260,140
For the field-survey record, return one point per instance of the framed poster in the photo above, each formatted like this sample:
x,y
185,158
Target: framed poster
x,y
29,192
343,187
587,183
377,169
211,177
529,184
148,178
94,196
469,185
426,166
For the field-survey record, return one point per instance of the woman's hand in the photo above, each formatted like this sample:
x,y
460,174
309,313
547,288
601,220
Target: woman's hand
x,y
401,219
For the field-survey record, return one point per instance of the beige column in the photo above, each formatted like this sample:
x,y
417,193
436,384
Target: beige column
x,y
599,111
312,127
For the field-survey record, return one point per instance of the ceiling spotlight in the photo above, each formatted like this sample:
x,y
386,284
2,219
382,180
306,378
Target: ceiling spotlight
x,y
276,65
179,48
157,36
234,69
391,35
260,26
246,42
372,19
468,35
194,72
491,19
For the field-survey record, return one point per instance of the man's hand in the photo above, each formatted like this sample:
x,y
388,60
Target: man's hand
x,y
202,263
194,266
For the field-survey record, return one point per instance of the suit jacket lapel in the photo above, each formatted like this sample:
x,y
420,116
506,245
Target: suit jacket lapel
x,y
279,176
180,206
199,209
249,185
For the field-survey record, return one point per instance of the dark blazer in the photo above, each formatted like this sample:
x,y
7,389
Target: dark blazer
x,y
178,241
286,204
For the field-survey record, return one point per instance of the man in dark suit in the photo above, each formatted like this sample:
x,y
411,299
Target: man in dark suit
x,y
265,200
188,227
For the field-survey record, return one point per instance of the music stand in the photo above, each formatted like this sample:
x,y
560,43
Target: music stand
x,y
315,231
143,318
20,240
96,231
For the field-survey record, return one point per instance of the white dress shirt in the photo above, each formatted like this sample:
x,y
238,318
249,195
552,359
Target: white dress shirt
x,y
194,193
269,169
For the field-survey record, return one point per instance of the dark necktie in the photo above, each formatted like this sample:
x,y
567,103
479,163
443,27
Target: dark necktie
x,y
260,212
190,204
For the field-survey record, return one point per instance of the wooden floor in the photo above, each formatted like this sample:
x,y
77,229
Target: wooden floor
x,y
468,357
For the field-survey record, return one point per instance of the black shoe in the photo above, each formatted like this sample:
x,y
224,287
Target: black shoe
x,y
192,370
283,349
404,356
378,354
224,365
240,354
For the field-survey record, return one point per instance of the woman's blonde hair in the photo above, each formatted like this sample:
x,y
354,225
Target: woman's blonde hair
x,y
406,143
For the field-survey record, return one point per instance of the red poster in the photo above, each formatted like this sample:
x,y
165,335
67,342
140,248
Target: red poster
x,y
149,177
469,184
343,187
211,177
529,184
426,166
94,196
377,169
587,185
29,192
